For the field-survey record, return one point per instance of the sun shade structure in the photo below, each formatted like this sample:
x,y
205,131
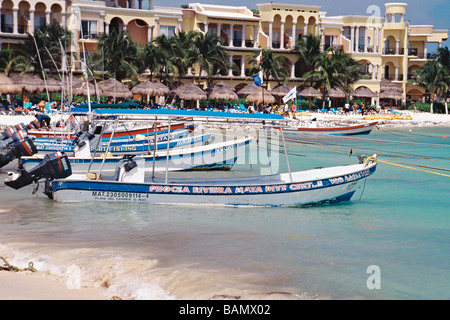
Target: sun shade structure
x,y
363,92
81,89
391,94
8,86
223,94
260,95
151,88
29,83
310,92
281,90
336,93
386,84
189,92
114,88
248,89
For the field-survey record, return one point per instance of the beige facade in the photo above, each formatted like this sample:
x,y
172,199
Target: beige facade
x,y
387,46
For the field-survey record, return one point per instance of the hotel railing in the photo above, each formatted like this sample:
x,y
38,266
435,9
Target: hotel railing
x,y
393,51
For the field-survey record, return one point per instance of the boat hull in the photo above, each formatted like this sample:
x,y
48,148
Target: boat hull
x,y
124,148
213,156
56,134
365,128
335,184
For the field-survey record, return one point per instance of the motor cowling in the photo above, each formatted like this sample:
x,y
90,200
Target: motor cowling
x,y
54,166
18,149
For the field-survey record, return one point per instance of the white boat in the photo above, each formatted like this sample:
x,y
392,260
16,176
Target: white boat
x,y
212,156
308,187
364,128
124,147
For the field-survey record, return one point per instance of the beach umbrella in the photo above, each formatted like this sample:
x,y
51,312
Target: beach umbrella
x,y
386,84
224,85
260,95
363,92
336,93
248,89
189,92
53,85
391,94
8,86
280,91
114,88
310,92
151,88
29,83
81,89
222,93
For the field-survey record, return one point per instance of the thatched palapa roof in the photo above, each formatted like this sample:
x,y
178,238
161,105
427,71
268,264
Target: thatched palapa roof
x,y
189,92
151,88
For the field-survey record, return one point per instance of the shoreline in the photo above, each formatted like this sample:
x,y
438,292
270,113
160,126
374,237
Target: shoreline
x,y
405,119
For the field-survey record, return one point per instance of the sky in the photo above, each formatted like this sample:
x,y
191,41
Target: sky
x,y
430,12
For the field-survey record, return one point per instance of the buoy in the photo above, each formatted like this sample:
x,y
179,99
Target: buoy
x,y
443,136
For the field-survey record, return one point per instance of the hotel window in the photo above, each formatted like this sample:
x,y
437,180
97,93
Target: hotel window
x,y
7,23
39,22
237,37
88,29
168,31
330,41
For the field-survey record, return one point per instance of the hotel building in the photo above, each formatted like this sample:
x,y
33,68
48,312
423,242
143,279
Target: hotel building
x,y
384,43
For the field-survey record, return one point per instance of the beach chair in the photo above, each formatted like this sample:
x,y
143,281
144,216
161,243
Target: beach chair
x,y
394,111
333,110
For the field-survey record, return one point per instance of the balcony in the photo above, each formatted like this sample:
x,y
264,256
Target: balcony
x,y
392,51
89,36
392,77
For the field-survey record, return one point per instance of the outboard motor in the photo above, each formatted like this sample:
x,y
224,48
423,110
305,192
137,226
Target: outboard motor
x,y
24,147
14,137
54,166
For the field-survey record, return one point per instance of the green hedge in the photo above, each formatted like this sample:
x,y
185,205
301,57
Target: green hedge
x,y
438,107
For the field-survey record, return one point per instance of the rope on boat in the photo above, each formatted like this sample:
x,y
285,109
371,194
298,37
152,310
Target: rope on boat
x,y
398,164
8,267
407,167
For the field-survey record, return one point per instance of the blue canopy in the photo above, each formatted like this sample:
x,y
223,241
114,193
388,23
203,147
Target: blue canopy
x,y
179,113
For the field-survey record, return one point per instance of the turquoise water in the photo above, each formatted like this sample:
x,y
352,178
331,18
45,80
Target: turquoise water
x,y
399,222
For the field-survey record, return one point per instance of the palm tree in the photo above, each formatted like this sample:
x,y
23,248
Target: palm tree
x,y
117,54
48,40
334,68
308,49
272,65
164,57
183,51
209,54
12,60
434,77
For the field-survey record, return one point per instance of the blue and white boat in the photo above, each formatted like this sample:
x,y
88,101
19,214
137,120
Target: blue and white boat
x,y
214,156
315,186
133,147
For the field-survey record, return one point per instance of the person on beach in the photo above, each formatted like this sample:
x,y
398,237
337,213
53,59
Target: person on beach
x,y
44,120
347,108
355,108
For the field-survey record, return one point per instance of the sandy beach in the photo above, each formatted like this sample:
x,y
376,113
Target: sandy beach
x,y
27,286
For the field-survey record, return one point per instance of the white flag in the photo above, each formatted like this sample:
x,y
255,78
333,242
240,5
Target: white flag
x,y
290,95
